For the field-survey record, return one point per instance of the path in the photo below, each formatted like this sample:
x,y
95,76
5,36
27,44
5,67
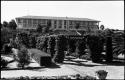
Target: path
x,y
70,67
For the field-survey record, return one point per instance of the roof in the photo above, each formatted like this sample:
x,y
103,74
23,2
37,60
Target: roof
x,y
58,18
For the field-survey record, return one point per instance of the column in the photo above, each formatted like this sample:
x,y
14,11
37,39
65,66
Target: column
x,y
62,24
49,45
56,50
32,22
57,26
77,47
67,25
26,22
45,21
52,24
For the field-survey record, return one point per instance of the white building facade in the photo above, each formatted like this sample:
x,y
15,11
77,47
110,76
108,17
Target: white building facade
x,y
57,23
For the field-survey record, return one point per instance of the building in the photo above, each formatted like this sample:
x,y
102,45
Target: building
x,y
57,23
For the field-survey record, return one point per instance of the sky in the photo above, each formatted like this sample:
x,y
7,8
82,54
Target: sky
x,y
110,13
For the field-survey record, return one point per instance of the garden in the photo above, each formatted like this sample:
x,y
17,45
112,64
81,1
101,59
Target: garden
x,y
52,48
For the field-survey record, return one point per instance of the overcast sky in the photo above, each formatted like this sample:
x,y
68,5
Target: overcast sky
x,y
110,13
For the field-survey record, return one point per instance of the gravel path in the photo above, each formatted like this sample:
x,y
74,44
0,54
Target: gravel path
x,y
89,68
70,67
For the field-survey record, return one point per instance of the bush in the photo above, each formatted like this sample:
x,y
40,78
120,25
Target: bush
x,y
23,57
86,56
24,38
3,63
95,44
109,52
6,34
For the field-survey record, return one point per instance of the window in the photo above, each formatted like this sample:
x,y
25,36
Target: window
x,y
24,21
70,27
60,26
90,23
65,27
55,22
86,23
65,22
34,21
83,23
29,21
60,22
24,25
43,21
19,20
94,23
54,26
70,22
39,21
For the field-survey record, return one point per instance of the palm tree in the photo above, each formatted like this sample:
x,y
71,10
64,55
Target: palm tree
x,y
118,43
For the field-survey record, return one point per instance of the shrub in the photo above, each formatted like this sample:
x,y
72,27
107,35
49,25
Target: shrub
x,y
6,34
23,57
95,44
109,53
3,63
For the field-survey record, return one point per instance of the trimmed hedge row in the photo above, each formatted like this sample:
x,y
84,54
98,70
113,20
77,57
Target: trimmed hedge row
x,y
42,58
77,76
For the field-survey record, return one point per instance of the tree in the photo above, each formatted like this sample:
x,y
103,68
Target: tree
x,y
4,63
46,29
108,32
118,43
95,52
102,27
12,24
1,25
39,28
109,52
23,56
5,24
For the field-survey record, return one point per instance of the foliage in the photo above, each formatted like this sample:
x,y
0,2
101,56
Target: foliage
x,y
43,29
1,25
117,39
5,24
109,54
108,32
102,74
102,27
118,43
44,59
55,77
60,48
32,41
12,24
3,63
86,56
98,42
6,34
42,43
24,38
23,56
39,28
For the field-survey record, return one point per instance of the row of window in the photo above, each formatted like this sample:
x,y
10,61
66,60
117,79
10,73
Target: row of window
x,y
37,21
34,21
